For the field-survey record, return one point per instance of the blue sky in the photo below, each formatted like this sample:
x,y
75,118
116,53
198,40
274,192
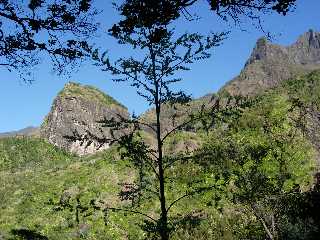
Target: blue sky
x,y
23,105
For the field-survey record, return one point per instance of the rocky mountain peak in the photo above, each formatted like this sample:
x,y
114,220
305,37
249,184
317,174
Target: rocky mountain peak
x,y
269,64
310,39
73,122
260,50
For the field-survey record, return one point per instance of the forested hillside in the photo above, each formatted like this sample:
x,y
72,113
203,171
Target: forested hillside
x,y
250,174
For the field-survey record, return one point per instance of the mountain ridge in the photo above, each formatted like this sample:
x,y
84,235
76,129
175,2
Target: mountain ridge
x,y
27,131
268,65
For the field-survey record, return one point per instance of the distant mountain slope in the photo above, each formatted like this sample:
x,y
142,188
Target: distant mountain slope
x,y
28,131
270,64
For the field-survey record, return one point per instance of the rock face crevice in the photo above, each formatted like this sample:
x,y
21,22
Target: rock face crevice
x,y
73,122
269,64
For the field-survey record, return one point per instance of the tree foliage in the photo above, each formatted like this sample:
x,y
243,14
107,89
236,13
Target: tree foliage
x,y
57,28
165,11
153,75
262,157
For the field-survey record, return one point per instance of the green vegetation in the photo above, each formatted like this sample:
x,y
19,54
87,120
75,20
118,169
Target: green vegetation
x,y
261,157
305,88
29,153
32,188
254,170
89,92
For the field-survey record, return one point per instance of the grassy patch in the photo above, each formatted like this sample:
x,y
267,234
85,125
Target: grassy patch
x,y
89,92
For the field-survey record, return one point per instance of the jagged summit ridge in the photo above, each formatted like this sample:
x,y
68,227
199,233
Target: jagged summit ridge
x,y
303,51
269,64
73,122
307,48
265,50
310,38
260,50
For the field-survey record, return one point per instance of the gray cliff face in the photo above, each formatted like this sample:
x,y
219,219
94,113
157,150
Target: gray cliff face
x,y
269,64
73,122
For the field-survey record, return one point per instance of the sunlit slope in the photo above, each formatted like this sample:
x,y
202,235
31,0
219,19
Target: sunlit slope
x,y
40,184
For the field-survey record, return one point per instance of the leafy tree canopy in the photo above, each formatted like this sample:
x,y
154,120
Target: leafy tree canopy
x,y
261,157
58,28
162,12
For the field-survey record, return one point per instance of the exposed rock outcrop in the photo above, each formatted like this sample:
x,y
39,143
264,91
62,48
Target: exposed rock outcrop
x,y
73,122
270,64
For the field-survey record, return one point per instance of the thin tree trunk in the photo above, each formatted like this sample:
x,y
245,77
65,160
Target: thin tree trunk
x,y
273,223
163,231
164,219
266,229
77,211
